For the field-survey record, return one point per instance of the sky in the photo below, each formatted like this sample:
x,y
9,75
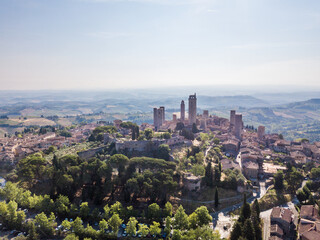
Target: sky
x,y
114,44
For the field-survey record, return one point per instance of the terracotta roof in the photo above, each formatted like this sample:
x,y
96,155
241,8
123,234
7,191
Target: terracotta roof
x,y
250,165
309,211
311,235
275,228
283,213
304,227
274,238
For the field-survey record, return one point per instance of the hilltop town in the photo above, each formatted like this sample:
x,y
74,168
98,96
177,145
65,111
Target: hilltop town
x,y
196,159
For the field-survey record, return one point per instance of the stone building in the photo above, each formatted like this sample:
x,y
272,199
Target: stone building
x,y
309,226
205,113
158,117
232,117
182,111
174,117
281,218
261,132
192,109
238,125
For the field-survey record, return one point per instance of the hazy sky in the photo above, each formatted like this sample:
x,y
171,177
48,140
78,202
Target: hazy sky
x,y
102,44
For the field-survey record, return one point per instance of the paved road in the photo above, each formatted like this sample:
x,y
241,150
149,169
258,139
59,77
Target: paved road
x,y
238,159
221,218
265,216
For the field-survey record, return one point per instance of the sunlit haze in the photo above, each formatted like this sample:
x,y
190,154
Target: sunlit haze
x,y
106,44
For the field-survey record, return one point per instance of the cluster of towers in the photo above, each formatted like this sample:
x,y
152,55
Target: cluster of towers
x,y
158,117
236,124
192,109
159,113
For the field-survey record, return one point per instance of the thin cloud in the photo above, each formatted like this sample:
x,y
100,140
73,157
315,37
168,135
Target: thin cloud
x,y
109,35
162,2
272,45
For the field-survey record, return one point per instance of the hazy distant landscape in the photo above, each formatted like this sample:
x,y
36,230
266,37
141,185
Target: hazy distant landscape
x,y
296,114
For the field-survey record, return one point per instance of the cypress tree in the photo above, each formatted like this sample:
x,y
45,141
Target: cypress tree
x,y
216,198
248,231
32,234
208,175
256,210
245,210
217,175
236,231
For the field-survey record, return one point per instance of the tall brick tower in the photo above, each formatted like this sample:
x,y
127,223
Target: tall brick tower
x,y
192,109
261,132
232,117
182,111
158,117
238,125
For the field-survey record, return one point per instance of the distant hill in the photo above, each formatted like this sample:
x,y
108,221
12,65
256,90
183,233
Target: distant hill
x,y
293,120
230,101
312,104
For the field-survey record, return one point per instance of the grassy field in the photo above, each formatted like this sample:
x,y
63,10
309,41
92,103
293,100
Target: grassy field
x,y
71,150
273,199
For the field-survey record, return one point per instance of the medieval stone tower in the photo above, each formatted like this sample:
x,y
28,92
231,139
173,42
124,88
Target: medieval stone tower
x,y
238,125
192,109
232,117
182,111
158,117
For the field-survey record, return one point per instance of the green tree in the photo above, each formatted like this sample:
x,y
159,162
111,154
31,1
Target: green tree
x,y
236,231
120,161
278,180
204,218
45,225
78,227
103,225
132,226
306,191
201,233
84,210
116,208
194,128
176,235
148,133
32,233
294,179
245,209
31,168
164,152
166,135
179,126
143,230
62,205
12,217
154,211
167,228
216,141
180,219
167,211
66,224
199,157
115,221
216,198
301,196
71,236
193,220
217,175
208,177
106,210
248,231
315,172
155,228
